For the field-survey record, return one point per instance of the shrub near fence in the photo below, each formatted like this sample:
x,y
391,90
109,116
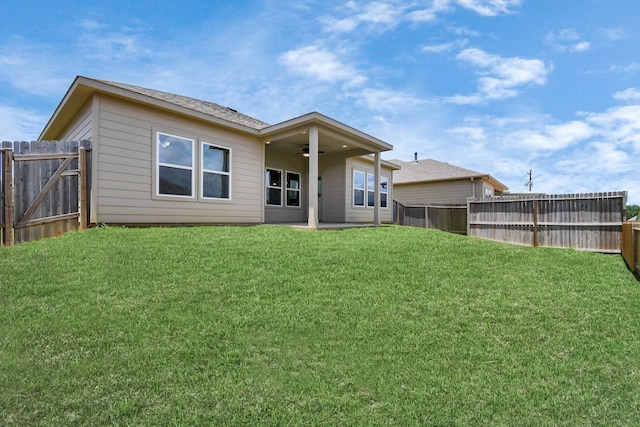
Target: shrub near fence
x,y
590,222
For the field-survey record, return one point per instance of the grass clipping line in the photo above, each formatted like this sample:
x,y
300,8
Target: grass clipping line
x,y
266,325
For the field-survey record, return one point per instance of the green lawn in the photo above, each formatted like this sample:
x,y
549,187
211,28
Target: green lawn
x,y
274,326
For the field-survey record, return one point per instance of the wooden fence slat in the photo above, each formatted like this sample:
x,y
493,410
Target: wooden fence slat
x,y
82,188
450,218
46,220
7,181
582,221
50,185
43,193
631,245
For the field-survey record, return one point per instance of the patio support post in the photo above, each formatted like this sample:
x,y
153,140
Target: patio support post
x,y
313,178
376,192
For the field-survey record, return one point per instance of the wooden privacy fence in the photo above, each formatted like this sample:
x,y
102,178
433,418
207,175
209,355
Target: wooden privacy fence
x,y
631,245
44,189
591,222
451,218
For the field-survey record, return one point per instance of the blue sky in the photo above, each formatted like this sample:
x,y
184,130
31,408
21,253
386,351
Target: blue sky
x,y
496,86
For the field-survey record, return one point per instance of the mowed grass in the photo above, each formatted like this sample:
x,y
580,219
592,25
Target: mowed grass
x,y
269,325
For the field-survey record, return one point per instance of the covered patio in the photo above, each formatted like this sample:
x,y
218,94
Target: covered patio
x,y
319,145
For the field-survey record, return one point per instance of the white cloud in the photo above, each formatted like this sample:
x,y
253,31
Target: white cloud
x,y
22,65
124,43
566,34
378,15
631,68
476,98
501,77
542,137
611,158
580,47
489,7
386,100
431,13
19,124
462,31
631,94
321,64
444,47
90,24
565,40
566,134
382,16
613,34
618,125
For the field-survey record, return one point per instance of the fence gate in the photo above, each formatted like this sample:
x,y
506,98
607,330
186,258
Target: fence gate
x,y
49,189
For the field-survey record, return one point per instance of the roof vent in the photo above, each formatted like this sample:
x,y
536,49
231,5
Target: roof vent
x,y
415,156
231,109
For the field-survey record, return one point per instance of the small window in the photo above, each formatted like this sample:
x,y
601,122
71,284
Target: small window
x,y
175,173
358,188
371,189
293,189
384,191
274,187
216,172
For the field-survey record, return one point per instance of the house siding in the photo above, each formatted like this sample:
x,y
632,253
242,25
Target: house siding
x,y
282,214
365,214
446,192
123,153
332,172
81,127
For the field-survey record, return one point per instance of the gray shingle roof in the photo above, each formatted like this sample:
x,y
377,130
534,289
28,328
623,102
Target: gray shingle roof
x,y
205,107
430,170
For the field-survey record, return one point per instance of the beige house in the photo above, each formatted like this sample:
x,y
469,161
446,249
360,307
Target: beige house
x,y
160,158
431,181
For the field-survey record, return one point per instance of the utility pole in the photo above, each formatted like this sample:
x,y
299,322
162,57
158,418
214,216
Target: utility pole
x,y
530,183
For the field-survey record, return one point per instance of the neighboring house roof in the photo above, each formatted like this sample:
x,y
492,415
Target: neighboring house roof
x,y
633,218
432,170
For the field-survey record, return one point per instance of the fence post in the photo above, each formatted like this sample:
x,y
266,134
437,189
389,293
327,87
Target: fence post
x,y
82,188
426,217
635,239
535,222
7,181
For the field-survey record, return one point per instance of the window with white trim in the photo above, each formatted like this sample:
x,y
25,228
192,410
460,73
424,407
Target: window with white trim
x,y
371,189
175,162
384,191
359,178
293,189
274,187
216,172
